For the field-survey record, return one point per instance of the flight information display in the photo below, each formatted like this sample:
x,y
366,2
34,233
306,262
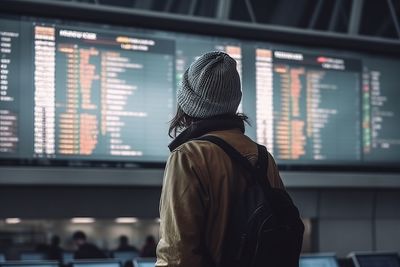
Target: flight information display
x,y
318,261
105,95
370,260
381,128
310,98
81,91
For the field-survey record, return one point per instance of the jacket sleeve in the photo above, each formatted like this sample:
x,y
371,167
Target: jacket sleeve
x,y
182,213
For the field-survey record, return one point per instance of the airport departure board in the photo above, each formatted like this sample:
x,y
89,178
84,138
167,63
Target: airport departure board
x,y
77,91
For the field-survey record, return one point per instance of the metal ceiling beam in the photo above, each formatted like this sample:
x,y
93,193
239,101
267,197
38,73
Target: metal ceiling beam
x,y
394,17
251,11
335,15
355,17
224,9
344,16
148,18
168,6
381,30
315,15
147,4
192,7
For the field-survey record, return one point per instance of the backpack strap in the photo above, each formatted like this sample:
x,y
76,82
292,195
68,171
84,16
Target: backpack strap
x,y
263,159
261,168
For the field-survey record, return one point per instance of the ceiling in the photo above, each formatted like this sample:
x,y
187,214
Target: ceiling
x,y
355,17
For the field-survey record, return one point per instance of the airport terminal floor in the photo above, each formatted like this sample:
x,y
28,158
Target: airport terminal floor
x,y
91,92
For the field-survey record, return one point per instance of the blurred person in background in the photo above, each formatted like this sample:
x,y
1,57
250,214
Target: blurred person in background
x,y
149,248
124,244
42,248
86,250
54,250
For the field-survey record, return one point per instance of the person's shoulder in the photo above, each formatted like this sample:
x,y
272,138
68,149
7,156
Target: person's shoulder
x,y
128,248
90,246
133,248
193,149
191,145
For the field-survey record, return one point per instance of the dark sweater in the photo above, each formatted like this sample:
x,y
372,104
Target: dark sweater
x,y
89,251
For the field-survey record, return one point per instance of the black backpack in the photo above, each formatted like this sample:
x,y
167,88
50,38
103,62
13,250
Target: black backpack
x,y
264,228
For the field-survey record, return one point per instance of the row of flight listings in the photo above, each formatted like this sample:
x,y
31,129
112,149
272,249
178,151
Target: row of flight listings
x,y
104,94
309,260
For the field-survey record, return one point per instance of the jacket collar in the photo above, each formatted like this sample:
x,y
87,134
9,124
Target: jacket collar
x,y
202,127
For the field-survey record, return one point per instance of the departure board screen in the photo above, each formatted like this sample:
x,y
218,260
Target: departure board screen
x,y
389,260
311,97
381,110
318,261
78,91
105,93
9,87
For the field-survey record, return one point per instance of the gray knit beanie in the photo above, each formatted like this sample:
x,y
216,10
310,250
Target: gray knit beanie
x,y
210,86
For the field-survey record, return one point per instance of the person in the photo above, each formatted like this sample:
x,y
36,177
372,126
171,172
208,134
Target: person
x,y
124,244
86,250
42,248
197,190
55,251
149,248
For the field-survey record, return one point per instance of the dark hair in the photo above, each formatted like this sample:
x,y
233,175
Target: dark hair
x,y
123,239
79,235
55,240
181,121
150,239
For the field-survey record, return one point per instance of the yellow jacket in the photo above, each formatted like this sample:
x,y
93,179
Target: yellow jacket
x,y
196,198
